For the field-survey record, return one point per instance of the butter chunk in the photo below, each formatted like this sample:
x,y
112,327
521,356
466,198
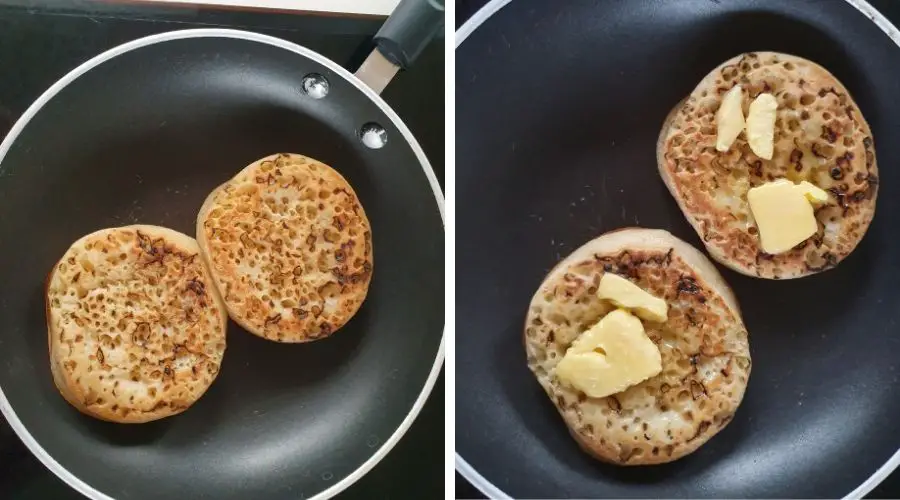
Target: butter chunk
x,y
761,125
813,193
624,293
612,356
784,213
729,119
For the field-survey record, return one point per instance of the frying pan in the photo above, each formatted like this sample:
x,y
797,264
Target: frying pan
x,y
142,133
558,108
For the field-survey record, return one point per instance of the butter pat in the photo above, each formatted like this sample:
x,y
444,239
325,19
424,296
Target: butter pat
x,y
813,193
784,213
623,293
612,356
729,119
761,125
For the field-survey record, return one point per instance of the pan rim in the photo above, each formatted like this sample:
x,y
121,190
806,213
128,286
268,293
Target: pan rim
x,y
488,488
19,428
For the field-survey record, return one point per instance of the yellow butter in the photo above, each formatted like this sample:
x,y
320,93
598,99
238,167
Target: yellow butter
x,y
729,119
813,193
624,293
612,356
784,213
761,125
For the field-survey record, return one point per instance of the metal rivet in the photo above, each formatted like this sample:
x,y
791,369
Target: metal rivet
x,y
373,135
316,85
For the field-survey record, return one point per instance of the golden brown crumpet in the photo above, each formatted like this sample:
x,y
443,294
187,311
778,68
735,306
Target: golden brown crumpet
x,y
820,136
136,328
289,247
703,345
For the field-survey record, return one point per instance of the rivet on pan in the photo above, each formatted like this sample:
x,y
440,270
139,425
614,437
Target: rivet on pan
x,y
316,85
373,135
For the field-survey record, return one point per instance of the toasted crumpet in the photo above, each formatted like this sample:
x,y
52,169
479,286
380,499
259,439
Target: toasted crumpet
x,y
703,344
289,247
820,136
136,328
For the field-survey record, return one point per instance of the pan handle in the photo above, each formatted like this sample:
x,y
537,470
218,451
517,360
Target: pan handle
x,y
409,29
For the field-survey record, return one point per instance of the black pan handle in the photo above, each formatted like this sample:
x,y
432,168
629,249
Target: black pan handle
x,y
405,34
412,25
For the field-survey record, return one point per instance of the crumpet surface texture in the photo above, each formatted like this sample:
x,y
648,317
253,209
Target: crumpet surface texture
x,y
703,345
289,247
136,328
820,137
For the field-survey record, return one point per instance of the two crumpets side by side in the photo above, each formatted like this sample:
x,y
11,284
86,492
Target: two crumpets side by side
x,y
636,337
137,315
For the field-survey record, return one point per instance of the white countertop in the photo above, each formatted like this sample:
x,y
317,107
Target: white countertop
x,y
371,7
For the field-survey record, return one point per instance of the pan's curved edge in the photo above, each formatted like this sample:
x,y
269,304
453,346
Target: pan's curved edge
x,y
479,17
483,485
467,471
5,407
492,7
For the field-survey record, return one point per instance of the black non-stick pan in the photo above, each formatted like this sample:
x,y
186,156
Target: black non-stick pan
x,y
558,108
141,134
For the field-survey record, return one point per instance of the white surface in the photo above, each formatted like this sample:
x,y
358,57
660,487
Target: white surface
x,y
372,7
486,486
19,427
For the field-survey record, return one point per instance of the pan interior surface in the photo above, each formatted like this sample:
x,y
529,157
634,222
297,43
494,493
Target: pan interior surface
x,y
558,112
142,138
